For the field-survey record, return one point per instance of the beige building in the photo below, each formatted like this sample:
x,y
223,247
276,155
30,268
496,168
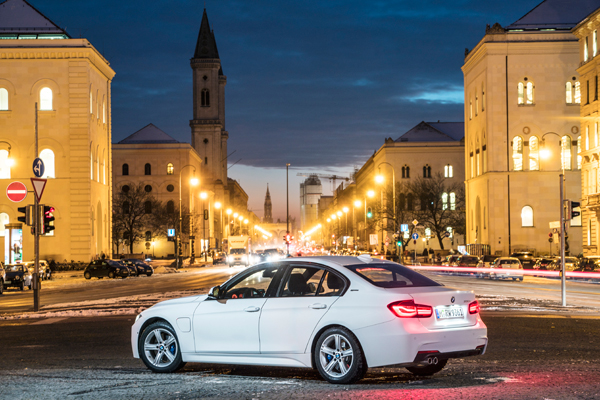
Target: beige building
x,y
587,33
71,83
310,192
522,95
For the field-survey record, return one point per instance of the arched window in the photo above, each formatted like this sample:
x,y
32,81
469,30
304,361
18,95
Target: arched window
x,y
426,171
448,171
4,219
569,92
526,216
170,169
97,165
406,171
529,93
534,153
5,165
520,89
46,99
148,207
125,169
125,207
170,207
565,152
579,158
444,201
577,93
47,157
517,153
3,99
147,169
452,201
476,105
205,98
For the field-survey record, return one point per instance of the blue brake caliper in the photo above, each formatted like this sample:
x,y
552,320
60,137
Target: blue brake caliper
x,y
329,357
172,348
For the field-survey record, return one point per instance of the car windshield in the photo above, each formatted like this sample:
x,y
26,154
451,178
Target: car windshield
x,y
271,251
237,251
15,268
391,275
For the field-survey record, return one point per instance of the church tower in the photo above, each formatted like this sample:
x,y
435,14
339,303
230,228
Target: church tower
x,y
268,217
209,137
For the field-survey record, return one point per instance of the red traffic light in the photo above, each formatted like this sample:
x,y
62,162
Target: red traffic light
x,y
550,234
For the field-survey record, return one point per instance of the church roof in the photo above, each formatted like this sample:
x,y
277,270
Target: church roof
x,y
434,132
206,46
20,20
148,134
555,14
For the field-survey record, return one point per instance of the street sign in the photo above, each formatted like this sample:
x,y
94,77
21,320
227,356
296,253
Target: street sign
x,y
415,236
373,239
16,192
554,224
404,228
38,187
171,232
38,167
415,222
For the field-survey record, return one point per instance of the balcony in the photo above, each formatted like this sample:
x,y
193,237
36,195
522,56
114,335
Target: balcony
x,y
592,202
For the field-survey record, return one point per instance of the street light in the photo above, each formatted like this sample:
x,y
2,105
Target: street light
x,y
393,190
204,196
218,206
345,210
369,193
193,182
354,233
228,212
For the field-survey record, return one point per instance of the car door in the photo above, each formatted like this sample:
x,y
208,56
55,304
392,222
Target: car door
x,y
229,324
305,296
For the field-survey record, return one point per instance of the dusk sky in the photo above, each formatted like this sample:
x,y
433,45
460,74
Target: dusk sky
x,y
317,84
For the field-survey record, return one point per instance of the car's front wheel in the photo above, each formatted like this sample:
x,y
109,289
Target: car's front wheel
x,y
159,348
111,275
148,273
87,275
427,370
339,357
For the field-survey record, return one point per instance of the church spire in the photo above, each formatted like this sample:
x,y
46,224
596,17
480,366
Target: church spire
x,y
206,46
268,217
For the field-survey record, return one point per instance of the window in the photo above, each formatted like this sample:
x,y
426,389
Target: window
x,y
406,171
472,165
125,188
47,157
527,216
426,171
206,160
448,171
3,99
520,93
170,169
587,92
311,281
452,201
595,43
391,275
569,92
256,284
587,138
148,236
529,96
148,207
577,93
444,201
585,49
125,207
103,112
4,165
476,105
4,219
125,169
478,157
470,109
579,158
170,188
205,98
46,99
147,169
596,88
565,153
170,207
517,153
148,188
534,154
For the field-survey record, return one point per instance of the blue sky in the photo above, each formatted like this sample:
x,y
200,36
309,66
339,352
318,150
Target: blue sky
x,y
318,84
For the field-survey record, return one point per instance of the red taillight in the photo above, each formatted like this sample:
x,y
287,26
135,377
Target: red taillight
x,y
408,309
474,307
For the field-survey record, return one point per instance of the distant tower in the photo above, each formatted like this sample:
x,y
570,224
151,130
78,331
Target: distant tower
x,y
268,217
310,193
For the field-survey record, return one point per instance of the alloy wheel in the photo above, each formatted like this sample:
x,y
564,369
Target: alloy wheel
x,y
160,347
336,355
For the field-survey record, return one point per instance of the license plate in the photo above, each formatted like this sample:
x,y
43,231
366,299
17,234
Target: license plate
x,y
449,312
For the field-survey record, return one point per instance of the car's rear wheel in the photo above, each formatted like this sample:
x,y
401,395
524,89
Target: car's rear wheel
x,y
87,275
148,273
159,348
111,275
426,370
339,357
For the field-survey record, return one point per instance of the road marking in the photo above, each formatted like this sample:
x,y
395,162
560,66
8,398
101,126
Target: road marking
x,y
48,321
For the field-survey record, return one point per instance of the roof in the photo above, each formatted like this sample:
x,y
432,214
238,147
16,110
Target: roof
x,y
206,46
19,18
555,14
434,132
148,134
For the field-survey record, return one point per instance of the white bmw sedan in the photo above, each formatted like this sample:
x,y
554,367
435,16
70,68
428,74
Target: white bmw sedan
x,y
340,315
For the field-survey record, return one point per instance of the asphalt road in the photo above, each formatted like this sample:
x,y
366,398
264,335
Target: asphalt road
x,y
79,358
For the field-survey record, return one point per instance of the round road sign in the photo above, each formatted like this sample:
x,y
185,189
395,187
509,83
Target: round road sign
x,y
38,167
415,236
16,191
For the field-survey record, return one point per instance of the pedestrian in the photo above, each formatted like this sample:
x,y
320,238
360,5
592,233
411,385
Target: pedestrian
x,y
430,257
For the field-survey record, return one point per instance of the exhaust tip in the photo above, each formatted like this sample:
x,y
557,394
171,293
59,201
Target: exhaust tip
x,y
432,360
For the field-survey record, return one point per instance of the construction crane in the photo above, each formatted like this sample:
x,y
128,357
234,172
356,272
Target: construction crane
x,y
332,178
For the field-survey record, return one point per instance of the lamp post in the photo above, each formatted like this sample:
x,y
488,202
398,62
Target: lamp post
x,y
287,201
193,182
345,210
369,193
393,193
329,225
545,153
354,231
333,218
219,207
228,212
204,196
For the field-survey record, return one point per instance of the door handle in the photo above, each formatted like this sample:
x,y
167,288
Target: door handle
x,y
251,309
318,306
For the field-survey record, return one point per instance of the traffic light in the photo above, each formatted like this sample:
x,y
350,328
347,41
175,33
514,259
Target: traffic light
x,y
205,214
369,213
287,238
571,206
47,218
26,218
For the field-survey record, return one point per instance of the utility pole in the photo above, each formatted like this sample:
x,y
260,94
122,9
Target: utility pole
x,y
563,282
287,200
36,230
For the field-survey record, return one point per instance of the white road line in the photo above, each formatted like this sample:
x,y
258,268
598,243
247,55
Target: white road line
x,y
48,321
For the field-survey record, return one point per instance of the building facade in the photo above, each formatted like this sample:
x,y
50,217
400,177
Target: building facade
x,y
70,81
522,131
310,192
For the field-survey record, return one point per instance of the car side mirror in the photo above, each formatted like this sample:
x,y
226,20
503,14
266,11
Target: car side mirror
x,y
214,292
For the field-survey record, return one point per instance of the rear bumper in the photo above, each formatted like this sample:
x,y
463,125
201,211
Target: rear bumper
x,y
423,356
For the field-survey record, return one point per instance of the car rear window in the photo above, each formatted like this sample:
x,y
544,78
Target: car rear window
x,y
391,275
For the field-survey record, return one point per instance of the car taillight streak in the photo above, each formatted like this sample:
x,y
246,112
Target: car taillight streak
x,y
474,307
408,309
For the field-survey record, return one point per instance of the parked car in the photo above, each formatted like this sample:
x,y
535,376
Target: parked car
x,y
141,267
450,260
570,264
588,264
466,261
543,263
526,257
127,264
506,268
327,313
485,261
44,269
220,258
17,275
105,268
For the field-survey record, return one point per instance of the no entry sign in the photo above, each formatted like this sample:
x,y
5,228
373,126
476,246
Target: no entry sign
x,y
16,191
